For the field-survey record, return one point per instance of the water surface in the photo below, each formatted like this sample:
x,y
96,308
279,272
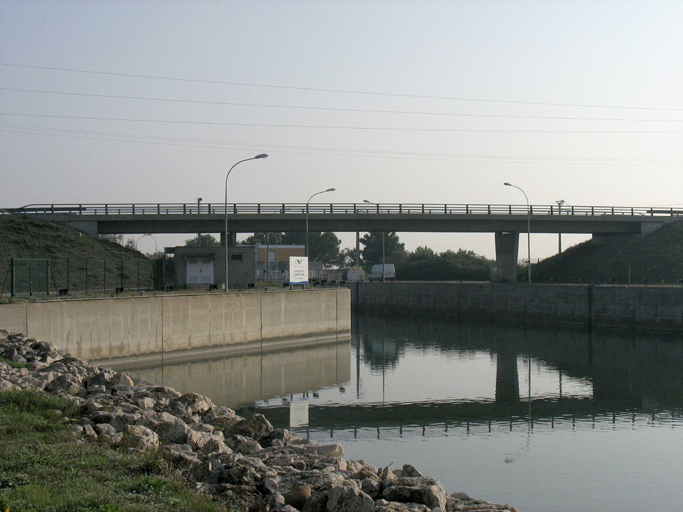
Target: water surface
x,y
547,419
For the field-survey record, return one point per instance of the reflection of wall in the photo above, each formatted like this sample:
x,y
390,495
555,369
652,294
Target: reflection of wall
x,y
232,381
602,306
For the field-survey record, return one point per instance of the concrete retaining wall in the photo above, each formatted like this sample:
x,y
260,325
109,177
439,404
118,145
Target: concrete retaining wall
x,y
111,328
597,306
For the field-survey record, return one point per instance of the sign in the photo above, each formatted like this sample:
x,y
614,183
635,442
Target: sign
x,y
298,414
298,270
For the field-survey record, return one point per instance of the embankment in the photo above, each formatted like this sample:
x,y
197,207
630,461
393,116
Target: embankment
x,y
148,326
646,308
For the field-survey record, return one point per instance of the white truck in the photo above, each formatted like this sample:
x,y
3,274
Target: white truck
x,y
376,272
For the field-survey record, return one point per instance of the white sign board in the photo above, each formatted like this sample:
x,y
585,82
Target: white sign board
x,y
298,414
298,270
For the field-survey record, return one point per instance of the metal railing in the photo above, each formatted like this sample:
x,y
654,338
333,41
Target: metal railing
x,y
335,208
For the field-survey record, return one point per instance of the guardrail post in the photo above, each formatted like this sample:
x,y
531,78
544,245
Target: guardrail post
x,y
489,209
283,208
133,207
400,208
80,209
510,209
158,209
423,207
531,212
183,208
467,209
258,208
592,210
52,208
106,209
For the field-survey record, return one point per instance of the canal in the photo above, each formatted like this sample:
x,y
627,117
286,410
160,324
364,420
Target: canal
x,y
543,418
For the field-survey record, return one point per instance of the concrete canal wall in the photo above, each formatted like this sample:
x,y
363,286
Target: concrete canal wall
x,y
111,328
592,306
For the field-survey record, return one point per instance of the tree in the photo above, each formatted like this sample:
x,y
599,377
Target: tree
x,y
203,240
323,246
130,244
263,238
346,258
422,253
372,252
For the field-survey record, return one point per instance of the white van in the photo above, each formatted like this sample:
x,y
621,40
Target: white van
x,y
376,272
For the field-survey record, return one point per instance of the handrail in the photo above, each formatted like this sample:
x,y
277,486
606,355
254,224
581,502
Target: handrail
x,y
114,209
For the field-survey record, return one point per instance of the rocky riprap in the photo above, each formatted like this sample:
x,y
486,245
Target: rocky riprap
x,y
217,451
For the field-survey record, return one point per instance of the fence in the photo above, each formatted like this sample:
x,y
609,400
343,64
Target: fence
x,y
30,277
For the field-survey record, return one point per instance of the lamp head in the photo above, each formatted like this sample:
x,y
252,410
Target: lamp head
x,y
330,190
507,184
262,155
366,201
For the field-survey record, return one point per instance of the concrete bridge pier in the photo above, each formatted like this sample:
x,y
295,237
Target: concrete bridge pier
x,y
507,245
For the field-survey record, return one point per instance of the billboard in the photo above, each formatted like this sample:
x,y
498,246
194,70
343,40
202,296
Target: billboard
x,y
298,270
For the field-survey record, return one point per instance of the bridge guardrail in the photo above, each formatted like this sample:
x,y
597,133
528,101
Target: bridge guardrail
x,y
335,208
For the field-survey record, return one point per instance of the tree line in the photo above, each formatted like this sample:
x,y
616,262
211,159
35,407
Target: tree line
x,y
421,264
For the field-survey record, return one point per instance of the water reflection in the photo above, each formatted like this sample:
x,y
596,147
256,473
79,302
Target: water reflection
x,y
243,380
432,378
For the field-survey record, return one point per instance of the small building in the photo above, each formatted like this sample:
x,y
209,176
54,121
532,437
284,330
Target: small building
x,y
276,257
204,267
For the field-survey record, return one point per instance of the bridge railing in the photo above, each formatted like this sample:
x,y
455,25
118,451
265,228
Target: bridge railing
x,y
336,208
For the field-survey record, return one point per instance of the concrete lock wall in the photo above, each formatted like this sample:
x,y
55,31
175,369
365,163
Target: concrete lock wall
x,y
111,328
592,306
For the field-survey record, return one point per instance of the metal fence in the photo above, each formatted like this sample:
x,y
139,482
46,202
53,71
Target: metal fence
x,y
339,208
31,277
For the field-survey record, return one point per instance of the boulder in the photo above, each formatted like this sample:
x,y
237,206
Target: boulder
x,y
142,438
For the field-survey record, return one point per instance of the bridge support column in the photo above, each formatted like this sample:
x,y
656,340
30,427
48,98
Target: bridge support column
x,y
232,238
507,245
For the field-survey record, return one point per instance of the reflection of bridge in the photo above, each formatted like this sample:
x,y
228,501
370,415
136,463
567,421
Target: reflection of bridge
x,y
507,221
633,378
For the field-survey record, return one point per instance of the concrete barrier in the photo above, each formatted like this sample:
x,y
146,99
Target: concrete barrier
x,y
111,328
649,308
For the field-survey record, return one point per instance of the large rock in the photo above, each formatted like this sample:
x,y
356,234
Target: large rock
x,y
142,438
427,491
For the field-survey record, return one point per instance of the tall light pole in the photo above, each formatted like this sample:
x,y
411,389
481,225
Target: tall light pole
x,y
227,242
156,247
559,235
307,202
528,225
383,255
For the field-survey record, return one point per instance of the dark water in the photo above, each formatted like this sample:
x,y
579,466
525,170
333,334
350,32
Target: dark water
x,y
547,419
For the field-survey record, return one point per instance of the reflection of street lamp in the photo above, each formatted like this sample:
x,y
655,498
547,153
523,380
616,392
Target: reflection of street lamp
x,y
309,200
227,243
559,235
383,258
156,247
528,225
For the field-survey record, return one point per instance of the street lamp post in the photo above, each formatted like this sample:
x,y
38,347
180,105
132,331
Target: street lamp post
x,y
383,254
156,247
559,235
307,203
227,243
528,226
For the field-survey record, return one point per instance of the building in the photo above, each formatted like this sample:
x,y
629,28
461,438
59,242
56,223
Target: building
x,y
204,267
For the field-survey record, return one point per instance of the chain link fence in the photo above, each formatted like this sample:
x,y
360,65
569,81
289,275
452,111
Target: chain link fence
x,y
61,276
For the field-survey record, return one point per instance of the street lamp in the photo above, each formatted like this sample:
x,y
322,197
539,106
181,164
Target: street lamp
x,y
383,258
309,200
559,235
227,243
528,225
156,247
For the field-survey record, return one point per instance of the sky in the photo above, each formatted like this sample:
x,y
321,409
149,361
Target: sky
x,y
389,101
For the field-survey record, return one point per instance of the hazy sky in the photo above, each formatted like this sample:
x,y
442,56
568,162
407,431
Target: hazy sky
x,y
581,101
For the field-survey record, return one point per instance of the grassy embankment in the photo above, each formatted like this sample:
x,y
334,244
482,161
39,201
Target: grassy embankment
x,y
43,468
656,258
67,249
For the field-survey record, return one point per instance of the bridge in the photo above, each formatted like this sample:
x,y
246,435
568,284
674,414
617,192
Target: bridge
x,y
506,221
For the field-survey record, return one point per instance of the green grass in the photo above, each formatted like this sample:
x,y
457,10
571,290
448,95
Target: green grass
x,y
13,364
43,469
